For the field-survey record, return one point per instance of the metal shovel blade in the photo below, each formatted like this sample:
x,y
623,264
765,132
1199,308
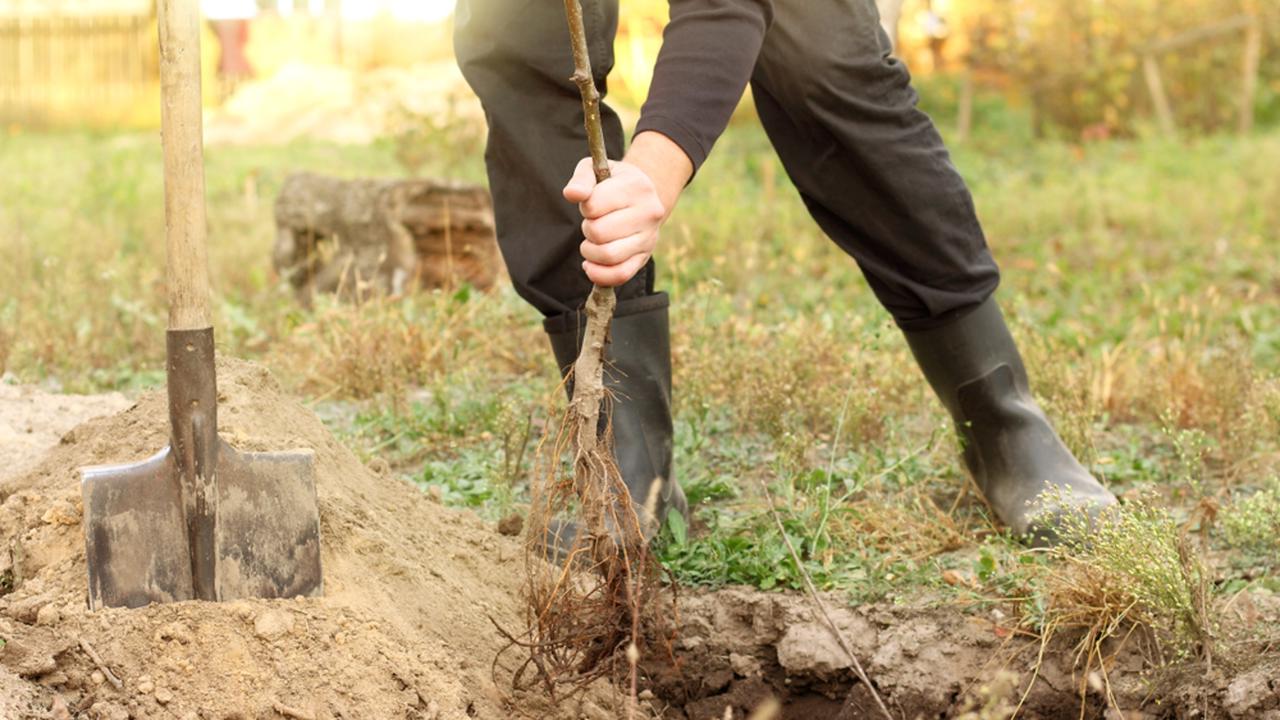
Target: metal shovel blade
x,y
266,534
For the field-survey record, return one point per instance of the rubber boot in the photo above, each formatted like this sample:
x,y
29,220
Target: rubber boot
x,y
1018,461
638,374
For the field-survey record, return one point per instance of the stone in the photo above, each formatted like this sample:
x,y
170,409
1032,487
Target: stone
x,y
810,648
163,696
744,665
48,615
62,512
1249,694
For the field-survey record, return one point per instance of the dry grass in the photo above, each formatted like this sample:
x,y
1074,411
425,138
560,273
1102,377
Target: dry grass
x,y
1138,276
1131,576
383,348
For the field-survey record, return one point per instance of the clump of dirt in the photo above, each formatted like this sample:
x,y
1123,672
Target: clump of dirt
x,y
404,630
737,647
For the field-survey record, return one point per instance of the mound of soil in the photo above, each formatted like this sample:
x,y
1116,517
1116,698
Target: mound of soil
x,y
404,630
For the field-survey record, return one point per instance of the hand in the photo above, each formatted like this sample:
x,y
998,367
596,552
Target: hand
x,y
622,216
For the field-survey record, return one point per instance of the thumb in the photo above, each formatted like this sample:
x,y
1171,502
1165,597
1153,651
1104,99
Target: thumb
x,y
582,182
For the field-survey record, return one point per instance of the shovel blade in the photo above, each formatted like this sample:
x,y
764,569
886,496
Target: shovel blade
x,y
268,532
135,541
267,529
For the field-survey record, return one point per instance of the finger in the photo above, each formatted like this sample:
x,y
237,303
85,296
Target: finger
x,y
582,183
616,252
619,224
613,276
615,194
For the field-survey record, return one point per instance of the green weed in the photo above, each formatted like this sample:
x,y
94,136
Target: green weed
x,y
1252,524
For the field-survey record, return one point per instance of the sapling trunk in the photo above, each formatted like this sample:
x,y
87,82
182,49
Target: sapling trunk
x,y
588,371
589,605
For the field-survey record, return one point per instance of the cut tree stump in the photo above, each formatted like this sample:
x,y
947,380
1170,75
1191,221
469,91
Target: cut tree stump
x,y
357,238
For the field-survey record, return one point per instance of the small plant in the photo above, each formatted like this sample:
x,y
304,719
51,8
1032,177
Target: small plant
x,y
1190,447
1253,524
1129,571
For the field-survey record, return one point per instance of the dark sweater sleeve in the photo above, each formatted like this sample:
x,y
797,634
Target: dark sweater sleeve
x,y
709,49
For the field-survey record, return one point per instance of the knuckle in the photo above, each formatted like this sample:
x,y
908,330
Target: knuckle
x,y
612,254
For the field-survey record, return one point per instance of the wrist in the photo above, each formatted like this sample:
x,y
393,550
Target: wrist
x,y
666,164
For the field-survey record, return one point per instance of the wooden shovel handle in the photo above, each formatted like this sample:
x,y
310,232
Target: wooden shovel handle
x,y
183,140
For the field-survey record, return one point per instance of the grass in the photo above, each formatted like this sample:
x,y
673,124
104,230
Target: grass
x,y
1139,276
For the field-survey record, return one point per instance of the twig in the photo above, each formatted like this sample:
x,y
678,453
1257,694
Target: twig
x,y
97,660
587,88
822,606
289,712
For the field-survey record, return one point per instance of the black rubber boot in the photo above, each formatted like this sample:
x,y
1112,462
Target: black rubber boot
x,y
1027,474
638,373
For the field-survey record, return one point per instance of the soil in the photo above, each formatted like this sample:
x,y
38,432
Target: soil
x,y
404,630
32,420
412,589
738,646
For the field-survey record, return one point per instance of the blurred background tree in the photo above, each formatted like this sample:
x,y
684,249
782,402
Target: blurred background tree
x,y
1063,68
1076,65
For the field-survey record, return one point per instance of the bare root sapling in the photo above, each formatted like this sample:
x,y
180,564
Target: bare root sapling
x,y
589,579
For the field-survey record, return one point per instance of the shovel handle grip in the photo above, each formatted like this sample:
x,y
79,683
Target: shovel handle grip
x,y
182,136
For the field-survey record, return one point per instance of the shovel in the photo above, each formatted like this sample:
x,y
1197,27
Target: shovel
x,y
199,520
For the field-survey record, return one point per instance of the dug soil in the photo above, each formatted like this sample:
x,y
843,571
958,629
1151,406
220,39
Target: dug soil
x,y
405,628
738,647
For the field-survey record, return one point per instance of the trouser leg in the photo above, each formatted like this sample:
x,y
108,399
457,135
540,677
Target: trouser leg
x,y
874,173
515,55
870,166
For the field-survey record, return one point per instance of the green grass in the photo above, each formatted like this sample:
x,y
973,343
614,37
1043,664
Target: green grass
x,y
1140,276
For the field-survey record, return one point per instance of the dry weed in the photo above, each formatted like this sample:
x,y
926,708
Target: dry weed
x,y
384,345
1132,573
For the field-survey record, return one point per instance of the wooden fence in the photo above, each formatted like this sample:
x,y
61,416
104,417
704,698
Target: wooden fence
x,y
75,69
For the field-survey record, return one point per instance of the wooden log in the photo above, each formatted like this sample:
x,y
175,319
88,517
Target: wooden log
x,y
357,238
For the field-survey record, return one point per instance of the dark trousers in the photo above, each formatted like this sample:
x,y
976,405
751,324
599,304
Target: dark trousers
x,y
840,112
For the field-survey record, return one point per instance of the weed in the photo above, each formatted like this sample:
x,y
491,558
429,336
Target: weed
x,y
1190,447
1252,524
1131,570
474,479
